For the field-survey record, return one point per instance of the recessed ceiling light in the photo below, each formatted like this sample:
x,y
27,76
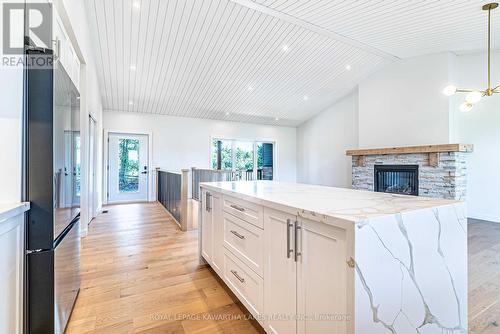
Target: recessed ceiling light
x,y
227,114
276,119
285,47
130,103
136,5
250,88
348,67
132,67
306,97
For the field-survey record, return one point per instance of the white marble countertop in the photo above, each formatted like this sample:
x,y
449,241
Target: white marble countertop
x,y
312,200
8,210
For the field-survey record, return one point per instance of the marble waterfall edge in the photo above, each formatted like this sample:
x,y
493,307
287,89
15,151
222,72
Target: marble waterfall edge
x,y
411,272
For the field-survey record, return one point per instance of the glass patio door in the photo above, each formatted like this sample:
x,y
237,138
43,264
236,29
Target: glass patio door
x,y
127,168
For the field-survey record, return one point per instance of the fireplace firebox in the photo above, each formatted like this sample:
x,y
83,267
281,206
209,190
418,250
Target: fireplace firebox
x,y
396,179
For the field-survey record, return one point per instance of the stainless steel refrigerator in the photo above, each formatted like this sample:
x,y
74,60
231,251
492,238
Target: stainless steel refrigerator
x,y
51,174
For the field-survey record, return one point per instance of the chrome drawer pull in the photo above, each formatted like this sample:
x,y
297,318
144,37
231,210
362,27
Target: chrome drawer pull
x,y
235,273
288,249
237,234
236,207
297,252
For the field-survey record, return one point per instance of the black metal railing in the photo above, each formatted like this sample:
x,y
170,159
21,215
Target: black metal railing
x,y
169,186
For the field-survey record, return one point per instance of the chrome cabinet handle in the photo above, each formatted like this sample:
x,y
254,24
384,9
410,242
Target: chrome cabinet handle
x,y
237,234
236,207
297,253
289,225
235,273
208,208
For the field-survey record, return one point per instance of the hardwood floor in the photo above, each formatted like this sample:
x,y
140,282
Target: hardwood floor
x,y
484,277
140,274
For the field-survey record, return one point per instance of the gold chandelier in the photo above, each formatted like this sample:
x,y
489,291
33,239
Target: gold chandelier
x,y
474,96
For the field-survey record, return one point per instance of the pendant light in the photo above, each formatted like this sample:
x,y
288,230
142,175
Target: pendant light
x,y
474,96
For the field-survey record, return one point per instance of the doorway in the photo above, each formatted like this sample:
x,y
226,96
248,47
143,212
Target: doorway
x,y
128,174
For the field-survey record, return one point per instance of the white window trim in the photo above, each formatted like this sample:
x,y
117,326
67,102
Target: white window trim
x,y
233,140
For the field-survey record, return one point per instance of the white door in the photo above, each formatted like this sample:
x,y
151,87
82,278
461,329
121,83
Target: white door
x,y
127,168
92,162
322,276
280,272
206,226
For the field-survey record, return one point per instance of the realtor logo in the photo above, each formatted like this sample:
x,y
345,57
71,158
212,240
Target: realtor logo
x,y
38,26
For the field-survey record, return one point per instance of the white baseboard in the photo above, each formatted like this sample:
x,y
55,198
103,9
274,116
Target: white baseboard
x,y
480,216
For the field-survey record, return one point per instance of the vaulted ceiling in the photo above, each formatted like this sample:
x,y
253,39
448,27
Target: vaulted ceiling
x,y
265,61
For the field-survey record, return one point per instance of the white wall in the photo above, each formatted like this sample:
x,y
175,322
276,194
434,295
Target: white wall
x,y
480,127
322,142
185,142
11,102
11,108
402,104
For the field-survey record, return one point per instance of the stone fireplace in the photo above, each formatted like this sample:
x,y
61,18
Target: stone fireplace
x,y
438,171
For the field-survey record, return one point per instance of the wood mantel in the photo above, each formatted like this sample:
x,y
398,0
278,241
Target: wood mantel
x,y
413,149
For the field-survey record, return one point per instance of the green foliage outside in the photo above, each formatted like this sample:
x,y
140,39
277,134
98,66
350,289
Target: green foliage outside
x,y
243,158
225,156
128,173
260,150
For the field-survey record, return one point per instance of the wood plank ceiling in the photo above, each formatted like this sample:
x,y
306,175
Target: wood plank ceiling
x,y
264,61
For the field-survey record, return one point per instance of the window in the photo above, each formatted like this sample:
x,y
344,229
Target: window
x,y
222,154
265,161
243,155
250,160
129,165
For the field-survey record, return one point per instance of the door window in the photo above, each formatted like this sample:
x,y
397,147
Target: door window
x,y
128,171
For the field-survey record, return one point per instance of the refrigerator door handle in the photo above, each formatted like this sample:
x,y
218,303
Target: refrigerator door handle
x,y
31,251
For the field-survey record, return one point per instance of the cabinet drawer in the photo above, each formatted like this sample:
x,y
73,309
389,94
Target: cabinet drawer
x,y
245,284
245,241
250,212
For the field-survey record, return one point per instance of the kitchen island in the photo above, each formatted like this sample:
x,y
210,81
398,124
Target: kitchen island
x,y
313,259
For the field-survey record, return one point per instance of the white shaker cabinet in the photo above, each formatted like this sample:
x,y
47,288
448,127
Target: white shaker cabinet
x,y
218,232
11,268
212,233
206,226
290,272
322,278
280,272
64,51
305,275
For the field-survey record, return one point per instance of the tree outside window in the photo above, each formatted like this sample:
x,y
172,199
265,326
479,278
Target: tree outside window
x,y
253,158
128,173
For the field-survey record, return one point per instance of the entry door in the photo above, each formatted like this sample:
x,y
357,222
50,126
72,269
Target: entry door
x,y
127,168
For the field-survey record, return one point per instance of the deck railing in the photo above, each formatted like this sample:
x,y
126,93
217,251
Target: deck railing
x,y
178,192
214,175
172,193
199,175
